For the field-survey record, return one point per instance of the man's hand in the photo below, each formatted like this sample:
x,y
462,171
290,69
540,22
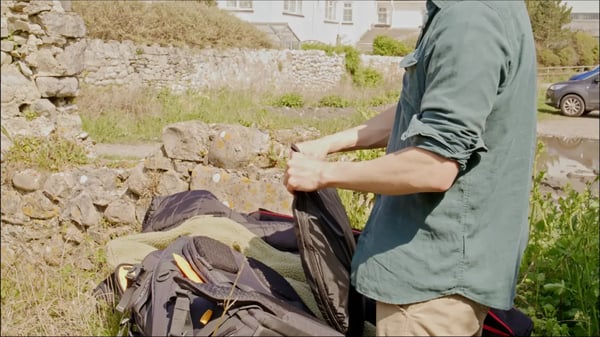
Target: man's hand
x,y
304,173
313,148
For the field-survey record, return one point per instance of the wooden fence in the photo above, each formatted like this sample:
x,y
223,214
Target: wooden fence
x,y
551,74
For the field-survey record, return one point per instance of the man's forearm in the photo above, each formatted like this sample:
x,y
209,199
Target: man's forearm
x,y
374,133
412,170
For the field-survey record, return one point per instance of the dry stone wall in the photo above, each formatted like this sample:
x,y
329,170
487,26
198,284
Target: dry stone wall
x,y
101,202
44,60
42,52
112,62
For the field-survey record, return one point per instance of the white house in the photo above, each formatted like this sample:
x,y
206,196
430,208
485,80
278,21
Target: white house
x,y
329,21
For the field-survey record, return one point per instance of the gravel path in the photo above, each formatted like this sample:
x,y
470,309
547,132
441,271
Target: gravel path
x,y
587,127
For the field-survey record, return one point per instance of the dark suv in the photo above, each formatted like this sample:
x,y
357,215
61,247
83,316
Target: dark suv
x,y
575,97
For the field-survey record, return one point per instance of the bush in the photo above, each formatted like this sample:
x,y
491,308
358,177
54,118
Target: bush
x,y
579,48
290,100
328,49
387,46
333,101
586,47
568,56
352,58
367,77
559,287
548,58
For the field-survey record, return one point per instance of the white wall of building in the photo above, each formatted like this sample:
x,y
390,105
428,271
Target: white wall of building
x,y
589,6
311,23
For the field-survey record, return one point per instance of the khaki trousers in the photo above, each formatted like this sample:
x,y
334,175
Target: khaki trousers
x,y
452,315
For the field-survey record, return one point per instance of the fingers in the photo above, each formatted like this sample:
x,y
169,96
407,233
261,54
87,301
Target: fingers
x,y
294,171
286,176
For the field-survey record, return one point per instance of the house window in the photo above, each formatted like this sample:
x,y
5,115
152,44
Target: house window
x,y
239,4
292,6
382,15
584,16
347,16
330,10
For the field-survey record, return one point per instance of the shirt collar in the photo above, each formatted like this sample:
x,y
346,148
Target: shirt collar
x,y
440,3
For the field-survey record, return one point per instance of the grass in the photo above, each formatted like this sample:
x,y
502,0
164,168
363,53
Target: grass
x,y
559,285
130,115
43,300
51,154
198,25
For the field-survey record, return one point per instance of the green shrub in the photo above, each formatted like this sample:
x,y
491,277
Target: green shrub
x,y
352,55
334,101
328,49
290,100
367,77
387,46
358,205
559,286
586,47
568,56
546,57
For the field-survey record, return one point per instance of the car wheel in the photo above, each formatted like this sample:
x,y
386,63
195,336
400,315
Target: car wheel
x,y
572,106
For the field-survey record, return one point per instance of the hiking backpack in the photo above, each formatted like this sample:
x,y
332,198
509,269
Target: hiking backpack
x,y
202,287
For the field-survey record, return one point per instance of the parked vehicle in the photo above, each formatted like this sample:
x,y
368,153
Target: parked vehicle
x,y
575,97
585,74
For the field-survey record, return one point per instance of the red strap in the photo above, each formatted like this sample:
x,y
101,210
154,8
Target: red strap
x,y
281,215
511,333
495,331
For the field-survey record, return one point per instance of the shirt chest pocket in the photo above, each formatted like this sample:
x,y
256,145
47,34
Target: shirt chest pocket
x,y
409,60
413,82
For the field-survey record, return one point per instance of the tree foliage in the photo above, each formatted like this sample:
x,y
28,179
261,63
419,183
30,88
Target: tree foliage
x,y
548,21
556,44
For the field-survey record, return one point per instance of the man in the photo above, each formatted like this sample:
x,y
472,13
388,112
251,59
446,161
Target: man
x,y
445,237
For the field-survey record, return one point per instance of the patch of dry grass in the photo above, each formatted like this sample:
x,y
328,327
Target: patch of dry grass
x,y
43,300
177,23
133,115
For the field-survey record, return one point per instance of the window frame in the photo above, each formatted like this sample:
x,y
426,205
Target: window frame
x,y
297,7
237,5
331,9
386,12
348,6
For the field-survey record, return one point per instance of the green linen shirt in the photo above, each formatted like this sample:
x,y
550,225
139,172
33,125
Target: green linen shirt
x,y
468,94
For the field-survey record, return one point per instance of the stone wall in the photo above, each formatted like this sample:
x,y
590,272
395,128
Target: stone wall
x,y
237,164
112,62
42,52
45,58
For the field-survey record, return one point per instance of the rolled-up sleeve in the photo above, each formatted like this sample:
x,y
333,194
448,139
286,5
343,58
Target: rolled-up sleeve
x,y
465,65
